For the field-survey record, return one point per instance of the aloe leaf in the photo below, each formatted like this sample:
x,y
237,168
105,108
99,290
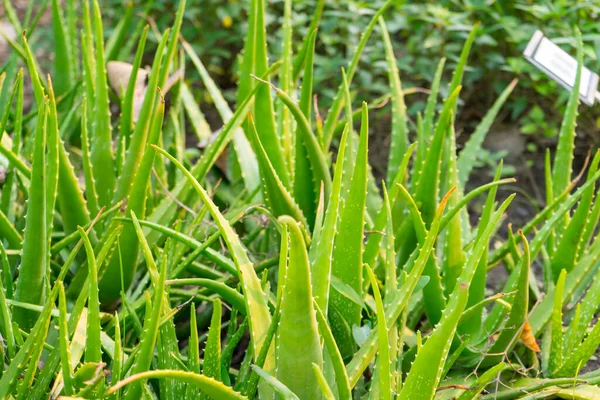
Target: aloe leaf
x,y
65,356
212,353
298,343
425,134
5,314
426,194
339,99
101,140
427,186
32,270
139,137
136,202
347,253
88,172
323,385
478,285
321,251
374,239
399,136
570,241
143,358
482,381
256,304
193,354
197,119
454,255
164,212
11,375
213,388
468,155
283,391
518,313
586,310
578,357
117,37
9,192
275,192
283,120
384,384
458,73
63,64
255,62
555,359
234,298
93,352
117,356
126,124
304,190
305,50
426,370
335,357
315,155
561,173
369,348
245,154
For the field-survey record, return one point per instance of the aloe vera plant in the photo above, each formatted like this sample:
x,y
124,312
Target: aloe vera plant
x,y
143,270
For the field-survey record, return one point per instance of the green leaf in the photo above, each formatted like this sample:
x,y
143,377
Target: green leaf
x,y
93,352
561,173
213,388
255,62
144,356
32,270
212,352
555,359
280,388
335,357
367,351
275,192
245,155
101,140
565,253
399,135
338,101
384,384
256,303
518,313
297,337
347,253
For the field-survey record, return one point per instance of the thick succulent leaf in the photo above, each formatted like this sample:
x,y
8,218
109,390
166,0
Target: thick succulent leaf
x,y
256,303
244,153
255,63
563,161
348,249
298,342
275,192
101,140
399,136
565,253
338,102
211,366
213,388
517,316
33,267
369,348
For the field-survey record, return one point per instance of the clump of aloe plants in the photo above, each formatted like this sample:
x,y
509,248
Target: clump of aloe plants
x,y
268,266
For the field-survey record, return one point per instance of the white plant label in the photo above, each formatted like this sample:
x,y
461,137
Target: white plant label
x,y
560,66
